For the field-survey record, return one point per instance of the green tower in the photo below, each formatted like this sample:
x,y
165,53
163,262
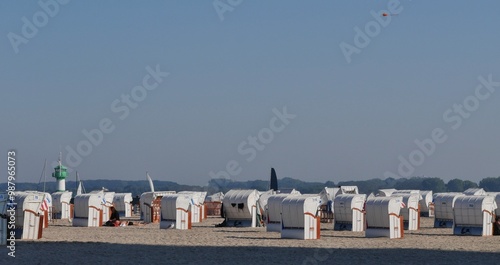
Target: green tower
x,y
60,173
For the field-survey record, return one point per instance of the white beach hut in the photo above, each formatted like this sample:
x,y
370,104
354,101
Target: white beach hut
x,y
405,192
273,212
176,211
474,215
108,198
262,202
382,217
327,196
263,196
300,217
29,216
474,191
89,210
385,192
216,197
497,200
240,208
288,191
4,199
198,205
426,203
150,203
46,206
62,209
410,210
213,204
123,204
443,209
349,212
48,213
401,192
203,207
347,190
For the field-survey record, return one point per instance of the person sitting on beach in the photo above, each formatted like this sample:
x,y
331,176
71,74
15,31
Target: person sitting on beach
x,y
496,226
114,218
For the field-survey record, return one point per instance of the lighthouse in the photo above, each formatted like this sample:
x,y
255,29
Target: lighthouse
x,y
60,173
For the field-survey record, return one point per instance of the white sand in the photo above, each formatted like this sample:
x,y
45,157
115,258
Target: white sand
x,y
206,244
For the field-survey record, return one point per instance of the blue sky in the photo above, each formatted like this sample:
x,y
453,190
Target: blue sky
x,y
353,120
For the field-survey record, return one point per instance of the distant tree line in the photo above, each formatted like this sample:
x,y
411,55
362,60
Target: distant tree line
x,y
364,186
414,183
216,185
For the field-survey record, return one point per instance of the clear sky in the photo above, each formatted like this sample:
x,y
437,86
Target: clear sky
x,y
231,69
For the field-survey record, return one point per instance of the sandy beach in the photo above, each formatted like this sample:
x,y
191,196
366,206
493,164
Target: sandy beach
x,y
206,244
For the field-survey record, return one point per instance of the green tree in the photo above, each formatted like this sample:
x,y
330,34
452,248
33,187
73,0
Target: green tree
x,y
434,184
469,184
414,183
490,184
455,185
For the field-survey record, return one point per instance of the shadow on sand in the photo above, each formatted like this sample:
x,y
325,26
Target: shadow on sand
x,y
100,253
